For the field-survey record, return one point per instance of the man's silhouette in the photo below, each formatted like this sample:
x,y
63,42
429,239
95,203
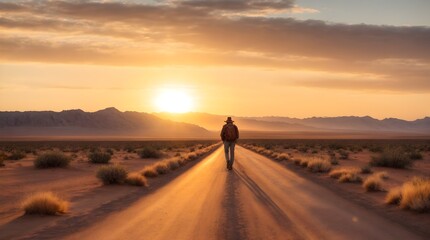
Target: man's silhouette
x,y
229,135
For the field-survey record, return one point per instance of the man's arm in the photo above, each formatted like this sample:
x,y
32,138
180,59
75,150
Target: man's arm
x,y
237,131
222,133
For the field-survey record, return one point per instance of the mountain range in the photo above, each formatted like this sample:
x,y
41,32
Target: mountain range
x,y
314,124
111,122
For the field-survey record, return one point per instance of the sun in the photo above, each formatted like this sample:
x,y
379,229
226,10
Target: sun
x,y
174,100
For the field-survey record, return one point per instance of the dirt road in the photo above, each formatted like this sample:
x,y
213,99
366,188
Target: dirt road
x,y
259,199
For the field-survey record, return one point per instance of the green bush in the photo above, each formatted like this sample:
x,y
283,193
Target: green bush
x,y
52,160
114,174
149,153
99,157
392,157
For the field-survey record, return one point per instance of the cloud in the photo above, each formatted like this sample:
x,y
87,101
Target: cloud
x,y
199,33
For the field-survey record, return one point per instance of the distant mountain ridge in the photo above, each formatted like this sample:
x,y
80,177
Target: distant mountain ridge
x,y
107,122
111,122
317,124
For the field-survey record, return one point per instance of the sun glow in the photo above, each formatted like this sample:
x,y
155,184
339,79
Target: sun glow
x,y
174,100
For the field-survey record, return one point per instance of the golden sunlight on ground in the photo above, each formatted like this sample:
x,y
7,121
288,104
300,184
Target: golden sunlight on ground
x,y
174,100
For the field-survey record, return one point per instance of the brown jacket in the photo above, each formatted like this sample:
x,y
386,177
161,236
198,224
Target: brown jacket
x,y
223,132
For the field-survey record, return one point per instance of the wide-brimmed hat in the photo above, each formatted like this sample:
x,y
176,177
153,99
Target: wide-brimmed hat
x,y
228,120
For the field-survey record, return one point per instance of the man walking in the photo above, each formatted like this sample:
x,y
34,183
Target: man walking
x,y
229,135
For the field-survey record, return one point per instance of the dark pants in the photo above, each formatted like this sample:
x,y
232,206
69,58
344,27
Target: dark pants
x,y
229,152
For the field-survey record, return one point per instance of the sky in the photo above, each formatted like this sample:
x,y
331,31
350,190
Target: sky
x,y
291,58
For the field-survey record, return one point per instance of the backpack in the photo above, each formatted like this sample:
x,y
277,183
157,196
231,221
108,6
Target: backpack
x,y
230,133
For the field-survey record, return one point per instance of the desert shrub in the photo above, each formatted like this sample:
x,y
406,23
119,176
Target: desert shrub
x,y
415,194
333,160
44,203
382,175
114,174
161,167
415,155
136,180
191,156
16,155
392,157
366,169
173,164
149,172
319,165
376,149
394,196
2,162
344,155
350,177
149,152
99,157
52,160
282,157
373,183
304,162
178,154
109,151
297,161
346,175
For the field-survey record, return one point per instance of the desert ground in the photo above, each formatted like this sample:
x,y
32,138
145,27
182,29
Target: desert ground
x,y
267,195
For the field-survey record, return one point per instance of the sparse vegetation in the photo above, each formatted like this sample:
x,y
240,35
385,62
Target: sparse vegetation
x,y
99,157
44,203
392,157
345,175
162,168
373,183
136,180
16,155
415,155
319,165
149,172
415,194
344,155
366,169
114,174
52,160
149,152
394,196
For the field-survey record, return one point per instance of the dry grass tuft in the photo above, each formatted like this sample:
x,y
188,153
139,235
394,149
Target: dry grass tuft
x,y
394,196
161,167
415,194
149,172
366,169
136,180
345,175
383,175
173,164
44,203
52,160
304,162
282,157
319,165
373,183
114,174
297,161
